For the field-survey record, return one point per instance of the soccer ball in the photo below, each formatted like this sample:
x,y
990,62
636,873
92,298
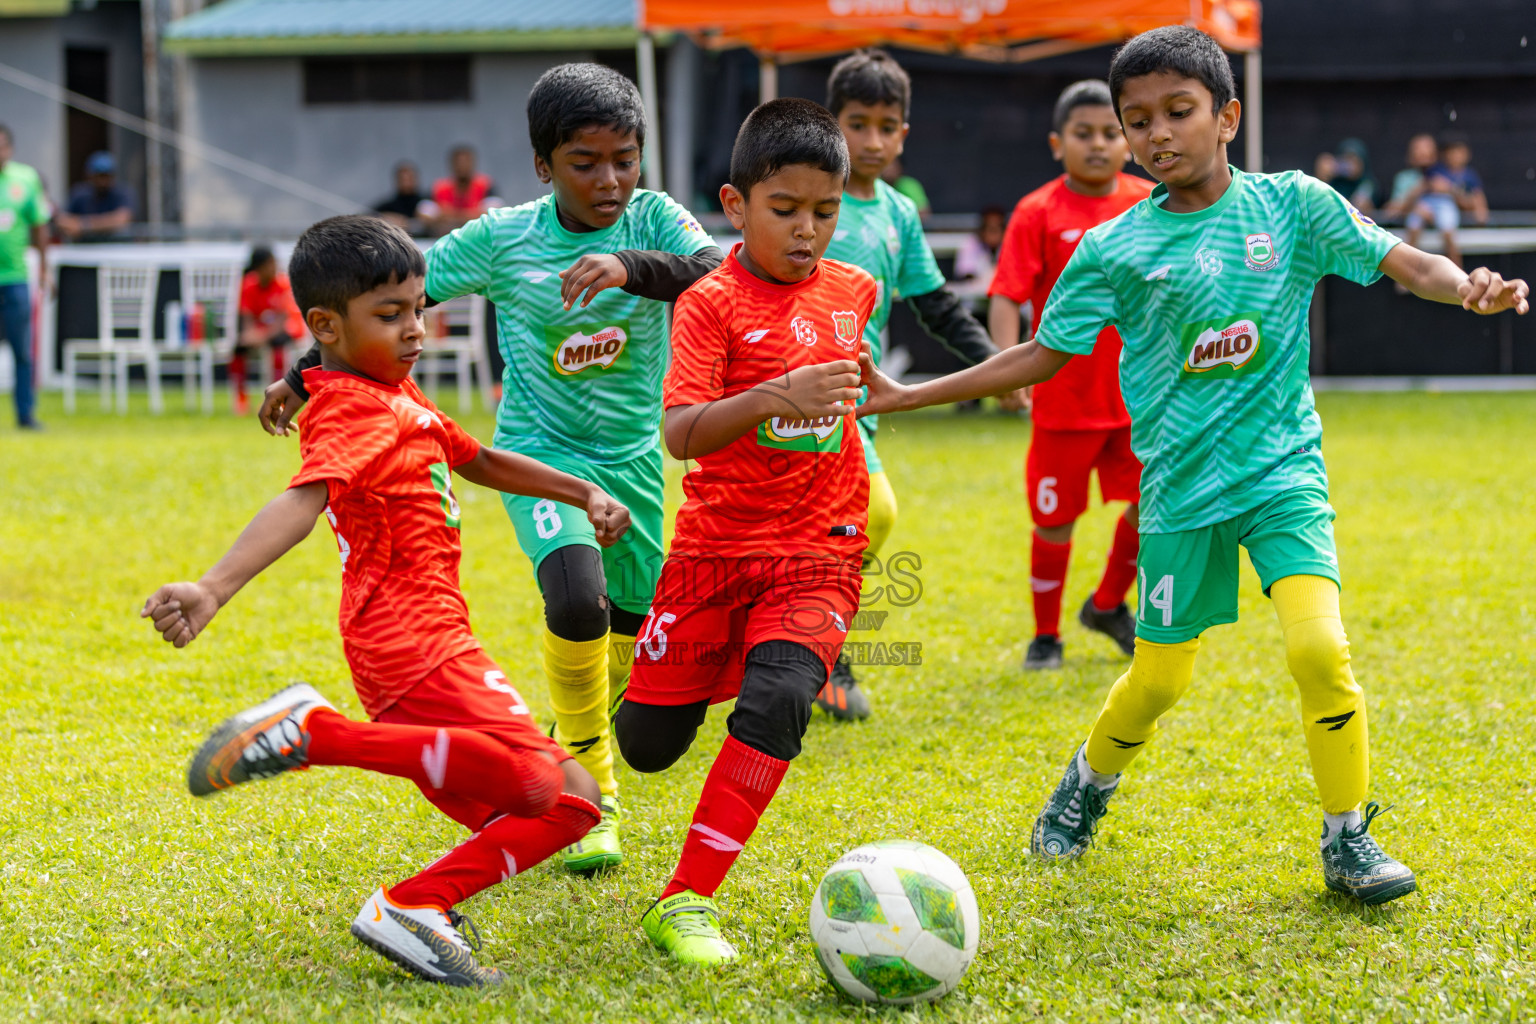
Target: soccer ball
x,y
894,922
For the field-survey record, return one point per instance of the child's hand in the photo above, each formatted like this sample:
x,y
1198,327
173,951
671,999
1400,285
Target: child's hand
x,y
1484,291
591,274
180,611
279,404
608,518
885,395
811,392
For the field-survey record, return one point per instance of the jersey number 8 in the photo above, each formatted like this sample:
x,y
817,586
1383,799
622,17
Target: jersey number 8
x,y
546,519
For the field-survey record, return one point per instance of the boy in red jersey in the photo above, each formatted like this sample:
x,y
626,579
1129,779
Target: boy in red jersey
x,y
1080,420
377,458
762,580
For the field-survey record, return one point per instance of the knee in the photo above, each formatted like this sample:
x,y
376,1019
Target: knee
x,y
648,744
777,690
575,593
1160,674
1317,653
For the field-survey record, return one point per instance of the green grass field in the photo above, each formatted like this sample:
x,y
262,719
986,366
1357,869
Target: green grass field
x,y
122,898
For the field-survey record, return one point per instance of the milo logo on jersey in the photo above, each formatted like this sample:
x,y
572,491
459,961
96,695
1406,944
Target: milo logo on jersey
x,y
822,434
578,348
1224,347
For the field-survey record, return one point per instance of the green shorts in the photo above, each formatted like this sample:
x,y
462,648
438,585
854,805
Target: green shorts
x,y
868,428
1187,581
633,564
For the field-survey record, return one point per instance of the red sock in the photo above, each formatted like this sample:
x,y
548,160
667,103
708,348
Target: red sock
x,y
237,373
1047,579
458,761
505,847
737,791
1120,569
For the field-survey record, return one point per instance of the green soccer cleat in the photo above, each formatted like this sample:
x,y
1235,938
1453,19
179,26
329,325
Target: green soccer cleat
x,y
687,926
599,849
1065,828
1355,865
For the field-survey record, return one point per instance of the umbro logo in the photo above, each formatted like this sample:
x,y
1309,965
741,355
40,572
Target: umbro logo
x,y
1159,273
582,746
752,336
536,276
1336,722
1123,745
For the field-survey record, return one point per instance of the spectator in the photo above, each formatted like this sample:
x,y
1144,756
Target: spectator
x,y
976,259
907,186
1325,168
461,197
1411,182
270,321
1352,178
1465,186
404,207
23,223
99,208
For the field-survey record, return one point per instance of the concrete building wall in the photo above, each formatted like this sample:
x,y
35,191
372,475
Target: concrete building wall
x,y
254,107
34,45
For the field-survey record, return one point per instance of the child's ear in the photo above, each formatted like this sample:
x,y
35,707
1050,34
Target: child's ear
x,y
542,169
324,324
734,204
1227,120
1055,140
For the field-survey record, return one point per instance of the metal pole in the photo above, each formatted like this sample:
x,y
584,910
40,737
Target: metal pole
x,y
1253,115
682,103
149,29
767,79
645,60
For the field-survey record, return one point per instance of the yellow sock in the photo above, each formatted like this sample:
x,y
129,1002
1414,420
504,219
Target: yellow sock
x,y
882,513
578,694
1332,704
1158,676
621,653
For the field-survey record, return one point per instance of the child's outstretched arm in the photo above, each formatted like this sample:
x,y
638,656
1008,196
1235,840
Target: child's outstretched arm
x,y
181,610
808,392
648,273
1437,279
1018,367
518,474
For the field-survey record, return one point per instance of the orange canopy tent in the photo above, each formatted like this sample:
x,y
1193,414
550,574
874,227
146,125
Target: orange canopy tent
x,y
994,30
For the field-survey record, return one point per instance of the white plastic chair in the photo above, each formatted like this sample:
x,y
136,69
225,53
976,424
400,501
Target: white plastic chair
x,y
125,315
215,285
456,341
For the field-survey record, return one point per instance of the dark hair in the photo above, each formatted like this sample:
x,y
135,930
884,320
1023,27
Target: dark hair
x,y
1090,92
1181,50
784,132
340,258
868,77
1453,140
462,147
571,97
261,252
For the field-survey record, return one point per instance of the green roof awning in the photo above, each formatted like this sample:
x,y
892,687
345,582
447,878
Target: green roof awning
x,y
287,27
33,8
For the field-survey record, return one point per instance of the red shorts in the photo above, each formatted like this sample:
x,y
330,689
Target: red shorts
x,y
469,691
1056,472
708,612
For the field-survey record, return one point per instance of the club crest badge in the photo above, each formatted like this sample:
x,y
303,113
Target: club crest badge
x,y
805,331
845,326
1209,261
1259,252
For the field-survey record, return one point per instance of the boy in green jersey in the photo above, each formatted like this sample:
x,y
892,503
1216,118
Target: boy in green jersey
x,y
23,223
1209,281
579,279
879,230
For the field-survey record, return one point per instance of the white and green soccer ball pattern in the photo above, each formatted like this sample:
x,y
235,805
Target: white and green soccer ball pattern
x,y
894,922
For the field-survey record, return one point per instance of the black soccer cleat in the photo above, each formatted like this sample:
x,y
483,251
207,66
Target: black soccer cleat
x,y
841,697
1118,624
1044,652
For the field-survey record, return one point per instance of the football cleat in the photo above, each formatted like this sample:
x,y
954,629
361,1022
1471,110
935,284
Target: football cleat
x,y
258,743
1065,827
599,849
1355,865
1118,624
1044,652
428,942
687,926
840,696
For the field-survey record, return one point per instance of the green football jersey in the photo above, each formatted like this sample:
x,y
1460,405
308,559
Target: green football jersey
x,y
578,381
1212,307
22,208
884,236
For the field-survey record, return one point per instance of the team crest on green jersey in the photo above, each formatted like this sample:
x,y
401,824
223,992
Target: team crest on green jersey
x,y
798,434
578,347
1260,251
1224,347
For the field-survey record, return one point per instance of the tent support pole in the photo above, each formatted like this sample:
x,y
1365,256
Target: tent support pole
x,y
645,62
1253,112
767,78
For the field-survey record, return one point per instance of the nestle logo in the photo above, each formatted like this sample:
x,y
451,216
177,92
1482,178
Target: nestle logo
x,y
580,350
1234,345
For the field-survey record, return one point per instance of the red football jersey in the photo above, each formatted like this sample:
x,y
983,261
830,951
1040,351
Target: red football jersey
x,y
274,302
1042,235
386,454
793,485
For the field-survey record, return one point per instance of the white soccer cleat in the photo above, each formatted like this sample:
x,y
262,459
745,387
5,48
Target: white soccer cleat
x,y
423,940
257,743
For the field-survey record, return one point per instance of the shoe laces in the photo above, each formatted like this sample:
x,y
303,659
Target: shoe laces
x,y
466,929
694,921
1364,849
271,756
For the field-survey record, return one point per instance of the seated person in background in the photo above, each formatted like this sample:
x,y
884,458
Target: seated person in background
x,y
1325,167
1412,202
976,259
98,208
269,320
1455,175
461,197
1352,177
403,209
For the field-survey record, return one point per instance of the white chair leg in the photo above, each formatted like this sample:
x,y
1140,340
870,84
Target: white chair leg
x,y
152,375
105,369
205,370
69,380
461,370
